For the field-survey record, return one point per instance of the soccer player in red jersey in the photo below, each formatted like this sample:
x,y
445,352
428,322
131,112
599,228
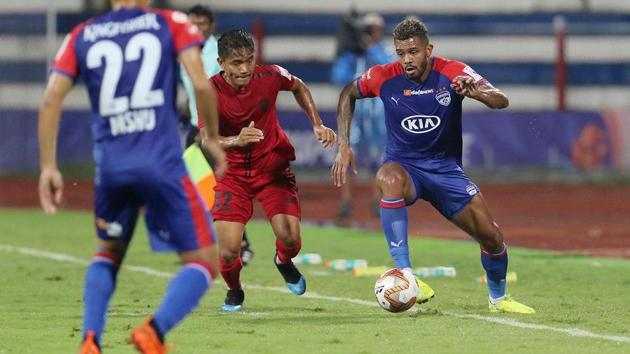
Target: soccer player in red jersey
x,y
258,154
128,58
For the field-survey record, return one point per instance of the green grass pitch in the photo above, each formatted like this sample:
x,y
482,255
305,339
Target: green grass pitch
x,y
583,303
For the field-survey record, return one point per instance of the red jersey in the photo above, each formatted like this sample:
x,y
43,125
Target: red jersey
x,y
256,102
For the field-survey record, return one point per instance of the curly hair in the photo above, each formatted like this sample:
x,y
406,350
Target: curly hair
x,y
236,39
409,28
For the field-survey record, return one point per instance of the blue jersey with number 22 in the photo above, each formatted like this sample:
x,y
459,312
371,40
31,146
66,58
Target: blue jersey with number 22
x,y
127,59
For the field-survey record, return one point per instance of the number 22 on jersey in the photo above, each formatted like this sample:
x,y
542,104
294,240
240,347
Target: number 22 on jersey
x,y
142,95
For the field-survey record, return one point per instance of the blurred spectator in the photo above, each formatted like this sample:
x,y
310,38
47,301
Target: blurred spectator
x,y
351,48
367,135
202,17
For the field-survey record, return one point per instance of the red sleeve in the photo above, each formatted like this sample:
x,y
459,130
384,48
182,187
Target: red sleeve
x,y
185,34
369,84
65,61
453,68
286,79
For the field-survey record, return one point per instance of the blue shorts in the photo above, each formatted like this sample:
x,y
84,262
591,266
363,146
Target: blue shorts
x,y
446,187
175,215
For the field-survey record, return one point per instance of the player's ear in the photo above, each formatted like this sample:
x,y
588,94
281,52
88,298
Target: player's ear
x,y
221,62
429,49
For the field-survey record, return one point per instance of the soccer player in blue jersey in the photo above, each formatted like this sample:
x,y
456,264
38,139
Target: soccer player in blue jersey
x,y
128,60
423,97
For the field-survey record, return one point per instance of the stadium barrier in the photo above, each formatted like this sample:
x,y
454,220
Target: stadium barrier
x,y
570,140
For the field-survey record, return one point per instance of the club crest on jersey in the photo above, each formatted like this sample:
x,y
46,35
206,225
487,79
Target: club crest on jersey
x,y
471,189
419,124
443,98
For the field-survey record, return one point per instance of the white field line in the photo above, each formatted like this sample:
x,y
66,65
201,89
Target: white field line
x,y
575,332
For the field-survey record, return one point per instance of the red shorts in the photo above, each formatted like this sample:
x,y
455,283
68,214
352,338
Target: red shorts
x,y
276,191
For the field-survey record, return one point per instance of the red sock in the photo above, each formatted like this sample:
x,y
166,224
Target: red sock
x,y
231,273
285,253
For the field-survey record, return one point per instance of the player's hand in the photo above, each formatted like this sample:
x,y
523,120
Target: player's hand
x,y
50,190
465,86
345,158
218,155
325,135
249,135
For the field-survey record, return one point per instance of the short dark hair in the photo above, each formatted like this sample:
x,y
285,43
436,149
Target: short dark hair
x,y
202,10
409,28
234,40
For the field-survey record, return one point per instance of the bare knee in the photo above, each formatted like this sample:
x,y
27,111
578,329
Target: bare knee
x,y
229,254
117,249
491,238
288,236
287,229
391,180
208,255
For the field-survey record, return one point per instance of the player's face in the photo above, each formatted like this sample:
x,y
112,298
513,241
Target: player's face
x,y
203,23
413,54
238,67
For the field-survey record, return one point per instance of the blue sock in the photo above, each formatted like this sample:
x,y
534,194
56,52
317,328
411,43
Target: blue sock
x,y
100,283
182,296
495,265
394,221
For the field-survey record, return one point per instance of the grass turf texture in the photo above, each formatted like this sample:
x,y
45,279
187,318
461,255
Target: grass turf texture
x,y
40,299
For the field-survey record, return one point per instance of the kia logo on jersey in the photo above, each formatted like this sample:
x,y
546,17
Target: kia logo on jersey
x,y
420,124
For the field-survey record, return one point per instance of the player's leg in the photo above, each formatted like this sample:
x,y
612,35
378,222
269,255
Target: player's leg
x,y
199,164
247,252
279,200
396,189
116,213
230,263
183,294
232,210
100,284
288,245
176,213
476,220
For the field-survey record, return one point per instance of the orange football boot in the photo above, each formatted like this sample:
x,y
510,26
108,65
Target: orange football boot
x,y
146,339
89,345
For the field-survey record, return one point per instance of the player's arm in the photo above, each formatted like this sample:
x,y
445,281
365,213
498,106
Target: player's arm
x,y
247,135
50,179
205,98
345,157
483,92
304,98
